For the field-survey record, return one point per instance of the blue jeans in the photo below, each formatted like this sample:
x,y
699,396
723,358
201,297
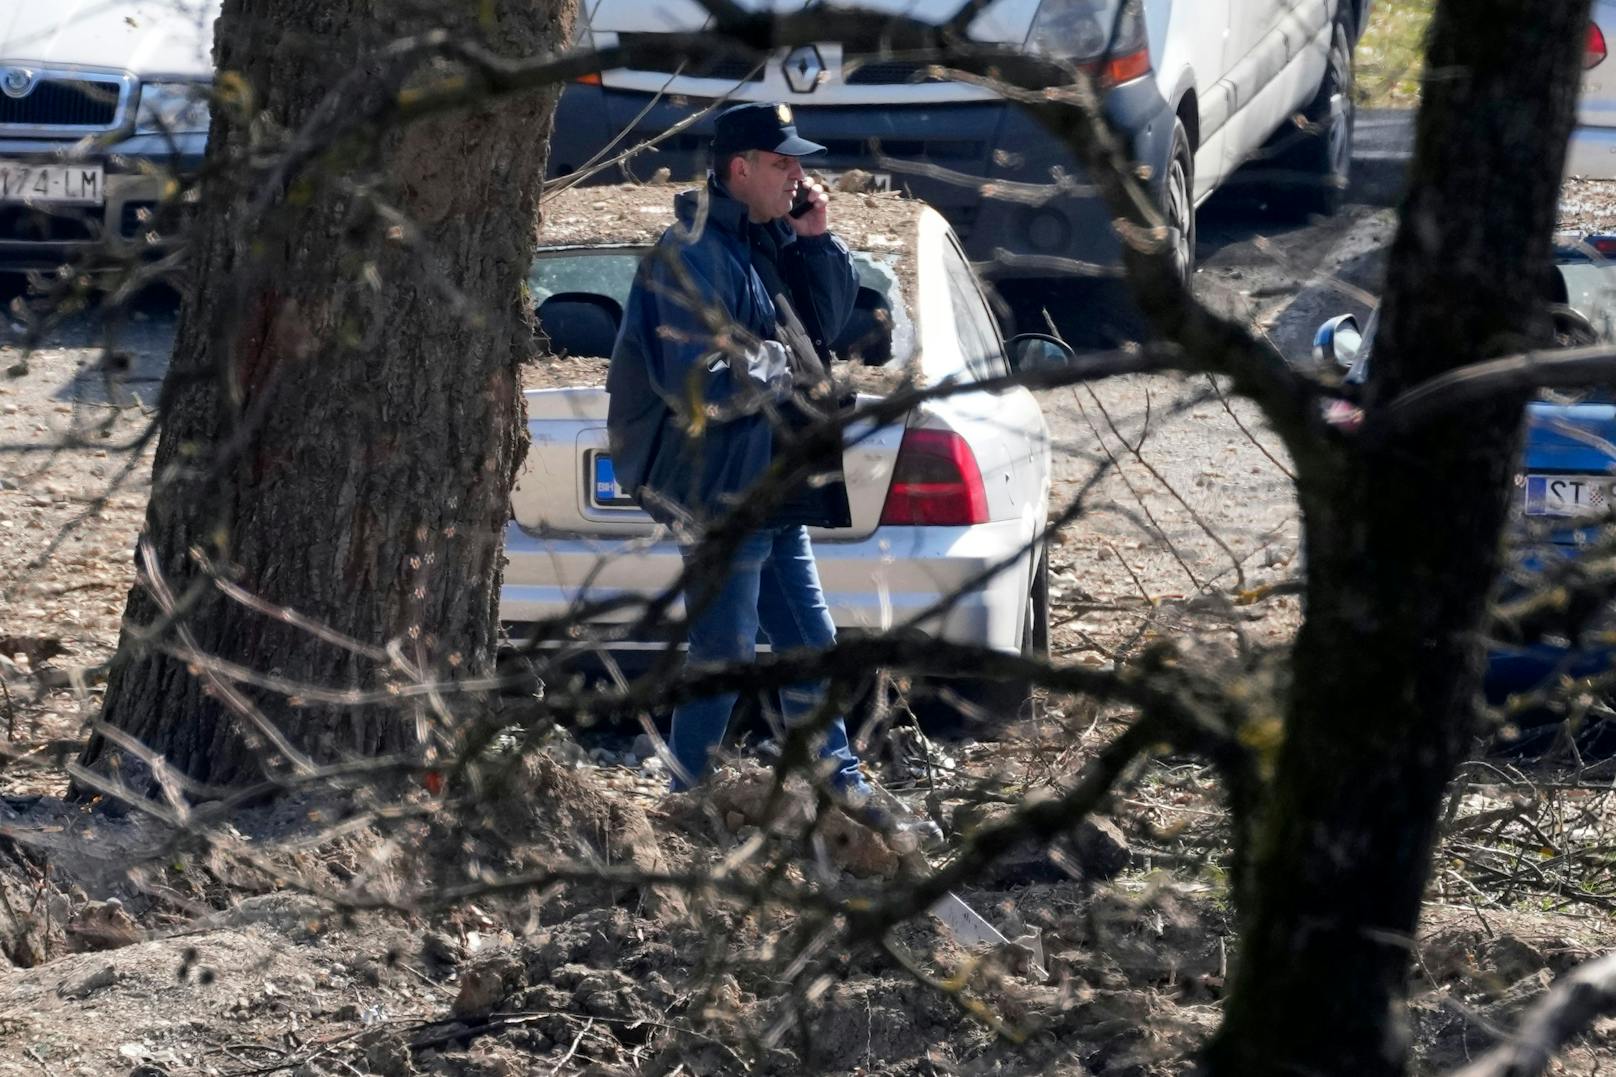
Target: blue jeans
x,y
772,584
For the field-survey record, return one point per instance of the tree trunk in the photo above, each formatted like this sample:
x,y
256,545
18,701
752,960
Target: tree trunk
x,y
341,419
1402,540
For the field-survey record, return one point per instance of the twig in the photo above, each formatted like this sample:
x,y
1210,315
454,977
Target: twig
x,y
1144,592
1574,1002
1139,499
1260,447
576,1040
1136,451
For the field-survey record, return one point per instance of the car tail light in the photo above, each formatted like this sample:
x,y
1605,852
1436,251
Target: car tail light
x,y
935,482
1593,53
1603,245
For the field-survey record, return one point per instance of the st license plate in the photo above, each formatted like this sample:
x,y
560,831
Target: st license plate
x,y
604,493
1569,495
43,185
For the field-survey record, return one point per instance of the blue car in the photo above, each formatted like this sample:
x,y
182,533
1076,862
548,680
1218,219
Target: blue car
x,y
1566,494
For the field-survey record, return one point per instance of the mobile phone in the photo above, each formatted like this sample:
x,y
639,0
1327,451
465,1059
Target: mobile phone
x,y
804,203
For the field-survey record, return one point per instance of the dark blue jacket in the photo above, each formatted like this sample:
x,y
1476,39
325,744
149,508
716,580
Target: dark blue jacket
x,y
688,434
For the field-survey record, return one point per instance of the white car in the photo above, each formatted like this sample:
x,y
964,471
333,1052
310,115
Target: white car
x,y
100,104
1592,152
948,506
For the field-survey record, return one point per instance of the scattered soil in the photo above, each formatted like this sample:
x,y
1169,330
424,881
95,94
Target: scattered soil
x,y
432,932
637,216
74,479
1586,206
571,372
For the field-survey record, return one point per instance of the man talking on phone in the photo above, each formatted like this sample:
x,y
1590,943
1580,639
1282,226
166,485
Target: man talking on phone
x,y
704,396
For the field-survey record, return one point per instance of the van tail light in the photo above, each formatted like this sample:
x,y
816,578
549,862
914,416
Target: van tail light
x,y
1593,53
1119,69
583,38
935,482
1107,39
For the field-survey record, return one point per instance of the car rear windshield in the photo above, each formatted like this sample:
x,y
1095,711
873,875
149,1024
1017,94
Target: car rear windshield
x,y
881,330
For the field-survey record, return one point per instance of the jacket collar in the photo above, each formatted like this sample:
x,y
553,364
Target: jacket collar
x,y
725,211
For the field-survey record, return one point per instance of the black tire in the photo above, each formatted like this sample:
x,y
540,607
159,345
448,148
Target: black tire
x,y
1178,200
1316,166
1572,329
1038,610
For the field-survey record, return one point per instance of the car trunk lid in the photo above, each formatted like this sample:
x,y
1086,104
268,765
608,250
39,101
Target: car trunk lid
x,y
1597,105
565,486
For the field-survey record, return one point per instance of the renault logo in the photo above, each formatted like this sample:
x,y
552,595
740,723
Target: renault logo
x,y
804,69
17,82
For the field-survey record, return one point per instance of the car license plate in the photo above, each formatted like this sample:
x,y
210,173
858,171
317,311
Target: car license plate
x,y
70,185
1568,495
604,493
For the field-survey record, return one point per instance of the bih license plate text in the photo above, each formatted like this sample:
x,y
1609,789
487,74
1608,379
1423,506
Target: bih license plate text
x,y
604,491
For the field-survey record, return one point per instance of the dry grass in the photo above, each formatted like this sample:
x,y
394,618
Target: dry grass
x,y
1391,56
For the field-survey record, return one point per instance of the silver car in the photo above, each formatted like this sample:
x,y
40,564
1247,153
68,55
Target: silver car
x,y
948,507
102,107
1592,151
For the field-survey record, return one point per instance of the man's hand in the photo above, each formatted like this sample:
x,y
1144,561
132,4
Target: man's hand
x,y
816,222
769,367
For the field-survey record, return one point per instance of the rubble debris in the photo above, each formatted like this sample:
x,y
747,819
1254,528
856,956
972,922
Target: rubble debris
x,y
1101,847
101,925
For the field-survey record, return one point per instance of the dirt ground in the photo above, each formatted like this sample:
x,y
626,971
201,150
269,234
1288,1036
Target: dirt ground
x,y
342,932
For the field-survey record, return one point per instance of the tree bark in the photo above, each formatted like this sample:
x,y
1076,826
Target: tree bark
x,y
341,419
1403,536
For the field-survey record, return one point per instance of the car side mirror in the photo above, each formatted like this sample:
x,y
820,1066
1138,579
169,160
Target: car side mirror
x,y
1031,351
1338,341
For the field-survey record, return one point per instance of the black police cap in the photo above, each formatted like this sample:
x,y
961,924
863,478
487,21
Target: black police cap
x,y
759,126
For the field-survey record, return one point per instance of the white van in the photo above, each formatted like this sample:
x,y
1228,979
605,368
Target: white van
x,y
98,95
101,102
1195,88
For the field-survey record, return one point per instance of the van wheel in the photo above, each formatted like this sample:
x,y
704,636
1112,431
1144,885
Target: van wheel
x,y
987,707
1178,201
1315,168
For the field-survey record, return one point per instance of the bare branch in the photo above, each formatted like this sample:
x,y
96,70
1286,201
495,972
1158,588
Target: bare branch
x,y
1454,389
1573,1004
